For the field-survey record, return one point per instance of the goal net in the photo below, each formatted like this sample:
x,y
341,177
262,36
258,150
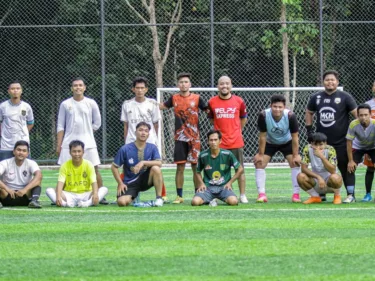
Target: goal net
x,y
256,99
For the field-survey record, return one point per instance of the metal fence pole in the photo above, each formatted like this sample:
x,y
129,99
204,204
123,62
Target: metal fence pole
x,y
212,43
104,111
321,39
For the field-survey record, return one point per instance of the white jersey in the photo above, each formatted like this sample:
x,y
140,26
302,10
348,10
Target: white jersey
x,y
14,119
134,112
17,177
79,120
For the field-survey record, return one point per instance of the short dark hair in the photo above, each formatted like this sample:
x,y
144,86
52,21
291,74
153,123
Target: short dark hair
x,y
78,79
331,72
318,137
184,75
21,143
213,131
140,79
364,106
75,143
14,82
143,124
278,98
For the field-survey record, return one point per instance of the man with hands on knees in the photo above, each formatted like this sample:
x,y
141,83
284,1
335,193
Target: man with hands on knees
x,y
216,165
141,162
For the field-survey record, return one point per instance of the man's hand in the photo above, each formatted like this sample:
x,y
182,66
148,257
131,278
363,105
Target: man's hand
x,y
322,183
258,159
228,186
296,160
11,192
20,193
318,153
352,166
95,199
203,188
121,188
59,201
138,167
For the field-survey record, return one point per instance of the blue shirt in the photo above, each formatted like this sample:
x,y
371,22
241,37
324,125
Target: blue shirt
x,y
278,132
129,155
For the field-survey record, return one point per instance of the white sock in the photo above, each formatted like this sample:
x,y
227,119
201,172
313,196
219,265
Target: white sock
x,y
260,179
295,171
313,192
102,192
337,191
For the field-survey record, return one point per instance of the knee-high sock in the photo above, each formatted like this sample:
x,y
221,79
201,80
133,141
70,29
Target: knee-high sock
x,y
294,172
35,193
260,179
369,178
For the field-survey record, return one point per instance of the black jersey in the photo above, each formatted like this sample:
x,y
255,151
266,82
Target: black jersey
x,y
332,112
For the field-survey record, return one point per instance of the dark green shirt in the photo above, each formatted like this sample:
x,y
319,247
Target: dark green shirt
x,y
216,170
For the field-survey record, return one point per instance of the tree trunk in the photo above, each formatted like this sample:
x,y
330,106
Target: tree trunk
x,y
285,52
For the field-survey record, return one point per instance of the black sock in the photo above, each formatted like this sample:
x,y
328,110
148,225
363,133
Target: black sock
x,y
179,191
369,177
35,193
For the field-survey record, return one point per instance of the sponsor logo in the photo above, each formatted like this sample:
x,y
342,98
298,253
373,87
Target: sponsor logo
x,y
222,166
327,116
318,100
131,161
228,112
337,100
327,101
277,131
208,167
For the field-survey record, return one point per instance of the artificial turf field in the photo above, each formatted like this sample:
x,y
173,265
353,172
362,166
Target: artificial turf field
x,y
274,241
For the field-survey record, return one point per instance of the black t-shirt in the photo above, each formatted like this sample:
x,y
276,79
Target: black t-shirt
x,y
332,112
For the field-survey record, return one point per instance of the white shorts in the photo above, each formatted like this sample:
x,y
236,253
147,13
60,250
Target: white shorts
x,y
90,154
325,176
73,198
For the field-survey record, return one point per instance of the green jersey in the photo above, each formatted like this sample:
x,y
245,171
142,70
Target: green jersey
x,y
216,170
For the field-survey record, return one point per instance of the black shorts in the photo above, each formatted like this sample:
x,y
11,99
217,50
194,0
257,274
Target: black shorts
x,y
139,185
359,153
186,151
285,149
18,201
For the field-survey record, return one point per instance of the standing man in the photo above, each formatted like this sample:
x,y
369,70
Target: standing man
x,y
228,114
21,179
141,109
17,120
76,185
333,107
216,164
79,117
141,164
187,141
278,131
360,139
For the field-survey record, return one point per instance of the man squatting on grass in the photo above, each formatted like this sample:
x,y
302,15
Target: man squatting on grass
x,y
21,179
76,185
216,164
141,162
323,177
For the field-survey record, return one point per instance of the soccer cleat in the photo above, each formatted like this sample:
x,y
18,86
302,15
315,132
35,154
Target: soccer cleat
x,y
243,199
158,202
349,199
296,198
178,200
262,198
104,202
35,204
337,199
313,200
165,200
323,197
367,198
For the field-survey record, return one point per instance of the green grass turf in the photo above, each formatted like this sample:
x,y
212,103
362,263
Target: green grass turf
x,y
274,241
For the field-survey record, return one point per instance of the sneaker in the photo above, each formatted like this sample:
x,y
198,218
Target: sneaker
x,y
165,200
313,200
35,204
323,197
349,199
337,199
295,198
213,203
243,199
262,198
178,200
104,202
158,202
367,198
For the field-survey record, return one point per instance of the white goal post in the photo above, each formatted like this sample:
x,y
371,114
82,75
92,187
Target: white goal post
x,y
256,99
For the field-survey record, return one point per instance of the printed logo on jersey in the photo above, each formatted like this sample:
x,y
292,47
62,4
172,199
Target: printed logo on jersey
x,y
277,131
337,100
222,166
23,112
208,167
192,104
131,161
84,175
24,173
318,100
225,112
217,179
327,116
327,101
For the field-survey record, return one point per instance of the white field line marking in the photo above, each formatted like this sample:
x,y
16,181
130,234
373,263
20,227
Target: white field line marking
x,y
157,210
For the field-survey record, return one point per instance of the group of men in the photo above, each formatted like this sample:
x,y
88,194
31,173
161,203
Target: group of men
x,y
336,143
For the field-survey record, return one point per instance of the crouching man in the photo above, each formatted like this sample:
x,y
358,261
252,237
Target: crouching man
x,y
322,178
76,185
21,179
216,164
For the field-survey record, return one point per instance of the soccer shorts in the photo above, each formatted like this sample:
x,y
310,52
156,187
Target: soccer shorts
x,y
359,153
285,149
325,176
90,154
18,201
73,198
367,161
186,151
238,153
213,192
138,185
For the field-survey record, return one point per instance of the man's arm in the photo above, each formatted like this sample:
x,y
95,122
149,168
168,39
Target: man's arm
x,y
29,127
141,164
243,123
349,150
354,113
238,173
305,169
126,127
309,117
95,197
96,117
59,188
200,184
156,127
60,128
121,187
10,191
262,142
60,137
37,180
295,149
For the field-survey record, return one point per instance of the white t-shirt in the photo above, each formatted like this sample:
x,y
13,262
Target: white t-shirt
x,y
17,177
134,112
79,120
14,119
